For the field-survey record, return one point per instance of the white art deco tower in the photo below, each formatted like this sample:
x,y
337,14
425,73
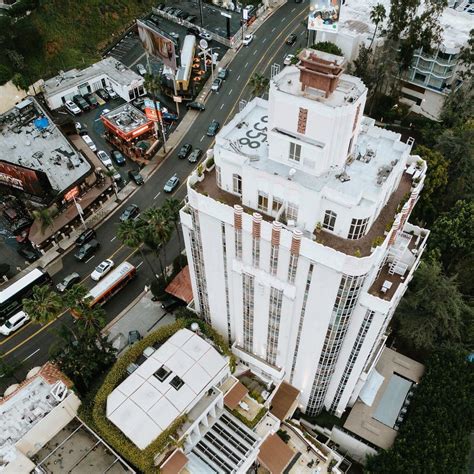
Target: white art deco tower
x,y
298,239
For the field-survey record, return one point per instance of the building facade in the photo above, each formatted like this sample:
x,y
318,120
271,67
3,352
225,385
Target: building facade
x,y
299,242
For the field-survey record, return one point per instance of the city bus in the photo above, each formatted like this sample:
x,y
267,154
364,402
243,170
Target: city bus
x,y
11,298
111,284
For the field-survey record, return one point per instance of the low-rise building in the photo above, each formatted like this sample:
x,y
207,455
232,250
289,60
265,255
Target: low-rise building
x,y
106,73
432,75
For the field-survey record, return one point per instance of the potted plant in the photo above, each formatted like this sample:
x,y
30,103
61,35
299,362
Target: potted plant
x,y
210,164
200,175
377,242
319,227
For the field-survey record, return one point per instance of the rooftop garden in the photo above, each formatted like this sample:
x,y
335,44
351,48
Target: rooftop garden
x,y
93,411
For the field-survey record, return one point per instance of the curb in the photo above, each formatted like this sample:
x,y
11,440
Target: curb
x,y
123,313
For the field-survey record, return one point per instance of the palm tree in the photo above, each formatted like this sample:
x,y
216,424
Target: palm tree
x,y
110,172
171,208
258,84
44,305
91,319
132,234
157,233
377,16
153,86
45,218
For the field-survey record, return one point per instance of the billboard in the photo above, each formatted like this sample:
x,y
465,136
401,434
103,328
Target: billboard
x,y
150,111
27,180
157,44
324,15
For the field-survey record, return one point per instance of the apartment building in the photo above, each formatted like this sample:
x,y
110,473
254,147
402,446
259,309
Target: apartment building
x,y
298,240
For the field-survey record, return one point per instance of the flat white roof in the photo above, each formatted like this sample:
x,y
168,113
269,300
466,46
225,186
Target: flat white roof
x,y
143,406
355,17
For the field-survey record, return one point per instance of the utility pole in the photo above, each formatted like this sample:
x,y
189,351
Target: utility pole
x,y
200,12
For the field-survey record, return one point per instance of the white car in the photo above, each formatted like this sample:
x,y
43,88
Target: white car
x,y
288,59
205,35
72,107
111,92
14,323
102,269
105,112
89,142
104,158
78,126
247,39
141,69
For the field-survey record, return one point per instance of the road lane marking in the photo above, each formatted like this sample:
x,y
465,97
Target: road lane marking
x,y
273,29
87,261
156,195
246,64
293,10
238,77
283,19
222,106
15,333
255,52
31,355
264,39
202,138
113,238
230,92
140,264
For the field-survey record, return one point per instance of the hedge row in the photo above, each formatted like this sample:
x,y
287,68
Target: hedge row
x,y
143,459
250,423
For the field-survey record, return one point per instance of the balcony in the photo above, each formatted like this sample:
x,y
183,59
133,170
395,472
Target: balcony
x,y
402,255
362,247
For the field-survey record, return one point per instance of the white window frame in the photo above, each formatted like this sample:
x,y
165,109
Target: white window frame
x,y
295,152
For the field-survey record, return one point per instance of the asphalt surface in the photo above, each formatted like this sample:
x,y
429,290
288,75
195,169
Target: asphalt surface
x,y
30,344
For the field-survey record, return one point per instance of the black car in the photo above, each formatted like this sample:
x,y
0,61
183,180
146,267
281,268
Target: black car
x,y
86,236
118,157
87,250
91,100
170,303
213,128
134,336
103,94
130,212
29,253
193,31
196,106
136,177
291,40
195,155
191,18
81,102
184,151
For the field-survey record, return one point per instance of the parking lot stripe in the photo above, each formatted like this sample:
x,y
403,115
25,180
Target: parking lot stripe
x,y
87,261
255,52
230,92
140,264
293,10
157,195
283,19
264,39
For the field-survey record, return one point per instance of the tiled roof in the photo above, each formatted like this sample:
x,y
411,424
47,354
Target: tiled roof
x,y
181,287
283,400
235,395
274,454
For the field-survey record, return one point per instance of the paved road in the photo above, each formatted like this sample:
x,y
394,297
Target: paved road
x,y
31,344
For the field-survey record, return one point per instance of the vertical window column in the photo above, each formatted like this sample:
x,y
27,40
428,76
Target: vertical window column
x,y
274,315
248,282
226,281
238,211
294,255
256,232
275,249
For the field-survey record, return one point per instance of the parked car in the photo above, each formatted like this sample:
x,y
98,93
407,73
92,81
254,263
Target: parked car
x,y
195,155
115,174
134,336
169,117
141,69
78,126
216,85
174,35
184,151
171,184
11,214
102,269
20,225
130,212
68,282
111,92
91,99
103,94
193,31
191,18
14,323
213,128
86,236
247,39
291,39
196,106
118,157
104,112
106,161
223,73
87,250
288,59
136,177
81,102
29,253
72,107
89,142
205,35
170,303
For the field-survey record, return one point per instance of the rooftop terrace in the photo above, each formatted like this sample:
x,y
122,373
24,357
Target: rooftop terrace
x,y
31,140
126,118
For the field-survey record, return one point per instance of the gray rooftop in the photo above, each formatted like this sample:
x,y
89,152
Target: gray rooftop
x,y
114,69
126,118
40,148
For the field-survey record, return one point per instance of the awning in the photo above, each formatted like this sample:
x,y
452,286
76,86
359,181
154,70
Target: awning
x,y
235,395
274,454
180,287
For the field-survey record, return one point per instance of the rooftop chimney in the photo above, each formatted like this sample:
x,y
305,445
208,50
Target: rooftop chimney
x,y
320,70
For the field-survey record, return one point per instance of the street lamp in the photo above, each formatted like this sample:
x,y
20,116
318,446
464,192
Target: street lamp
x,y
79,211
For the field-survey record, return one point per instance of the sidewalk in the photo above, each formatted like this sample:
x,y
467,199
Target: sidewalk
x,y
142,315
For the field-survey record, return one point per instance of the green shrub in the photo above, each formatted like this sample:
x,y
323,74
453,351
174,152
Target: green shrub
x,y
328,47
209,163
5,74
95,415
250,423
256,396
199,170
377,241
